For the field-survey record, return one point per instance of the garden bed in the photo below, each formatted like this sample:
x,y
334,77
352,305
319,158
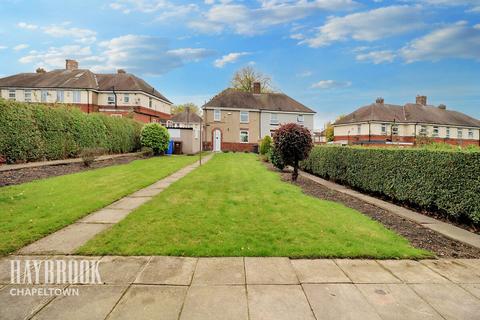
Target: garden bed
x,y
419,236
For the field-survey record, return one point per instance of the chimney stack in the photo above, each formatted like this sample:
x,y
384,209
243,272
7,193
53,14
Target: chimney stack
x,y
40,70
121,71
421,100
379,100
256,87
442,106
71,64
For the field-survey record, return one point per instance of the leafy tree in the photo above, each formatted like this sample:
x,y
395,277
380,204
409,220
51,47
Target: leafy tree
x,y
155,136
265,145
294,143
244,78
182,107
329,132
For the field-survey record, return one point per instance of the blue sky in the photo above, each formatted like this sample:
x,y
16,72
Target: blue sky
x,y
331,55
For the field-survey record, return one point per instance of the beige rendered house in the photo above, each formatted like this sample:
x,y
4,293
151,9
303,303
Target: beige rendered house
x,y
236,120
380,123
119,94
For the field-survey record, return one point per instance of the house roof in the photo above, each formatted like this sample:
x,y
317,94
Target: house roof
x,y
232,98
409,113
80,79
185,116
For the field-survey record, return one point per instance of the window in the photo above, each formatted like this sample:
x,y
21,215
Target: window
x,y
423,130
244,136
243,116
150,103
273,118
44,95
11,94
126,98
459,133
384,128
60,96
395,130
300,118
196,133
435,131
359,128
470,133
28,95
76,96
111,99
447,134
217,115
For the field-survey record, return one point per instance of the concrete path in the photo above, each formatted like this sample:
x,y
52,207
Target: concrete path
x,y
255,288
446,229
72,237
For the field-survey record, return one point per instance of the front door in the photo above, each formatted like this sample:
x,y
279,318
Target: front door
x,y
217,140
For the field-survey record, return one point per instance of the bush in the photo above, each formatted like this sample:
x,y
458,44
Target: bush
x,y
276,159
32,132
447,182
265,145
146,152
293,142
155,136
89,155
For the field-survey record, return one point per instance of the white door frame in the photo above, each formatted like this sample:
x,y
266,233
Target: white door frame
x,y
217,140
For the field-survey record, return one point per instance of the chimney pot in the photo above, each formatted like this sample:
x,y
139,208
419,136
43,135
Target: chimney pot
x,y
442,106
256,88
71,64
379,100
40,70
121,71
421,100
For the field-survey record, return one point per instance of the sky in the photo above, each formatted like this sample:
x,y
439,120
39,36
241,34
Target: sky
x,y
331,55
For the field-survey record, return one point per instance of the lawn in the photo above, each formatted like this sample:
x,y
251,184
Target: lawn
x,y
32,210
234,206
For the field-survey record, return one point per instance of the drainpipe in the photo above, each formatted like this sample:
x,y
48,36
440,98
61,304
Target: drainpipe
x,y
115,95
415,134
369,135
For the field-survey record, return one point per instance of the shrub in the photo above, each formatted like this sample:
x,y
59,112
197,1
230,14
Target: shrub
x,y
32,132
265,145
155,136
293,142
276,158
89,155
147,152
447,182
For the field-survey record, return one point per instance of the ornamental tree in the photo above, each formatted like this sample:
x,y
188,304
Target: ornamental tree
x,y
155,136
293,142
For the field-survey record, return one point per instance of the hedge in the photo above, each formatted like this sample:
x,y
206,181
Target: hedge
x,y
33,132
445,182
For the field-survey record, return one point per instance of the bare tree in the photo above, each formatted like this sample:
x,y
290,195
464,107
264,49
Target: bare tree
x,y
182,107
244,78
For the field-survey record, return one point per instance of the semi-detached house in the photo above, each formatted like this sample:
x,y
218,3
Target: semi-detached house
x,y
119,94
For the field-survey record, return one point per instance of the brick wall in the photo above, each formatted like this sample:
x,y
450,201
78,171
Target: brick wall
x,y
382,139
238,147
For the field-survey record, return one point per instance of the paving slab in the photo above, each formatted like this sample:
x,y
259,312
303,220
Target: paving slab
x,y
146,192
474,289
106,216
219,271
14,306
168,270
66,240
454,270
319,271
410,271
93,302
215,302
339,301
278,302
121,270
150,302
473,263
397,301
129,203
162,184
78,277
270,271
451,301
366,271
5,266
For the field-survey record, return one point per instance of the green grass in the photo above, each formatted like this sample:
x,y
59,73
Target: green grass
x,y
234,206
32,210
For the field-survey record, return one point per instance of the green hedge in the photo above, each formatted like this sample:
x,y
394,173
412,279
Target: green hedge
x,y
31,132
446,182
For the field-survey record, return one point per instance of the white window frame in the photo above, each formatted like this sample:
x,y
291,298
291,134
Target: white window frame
x,y
150,103
44,95
247,135
395,129
242,114
470,133
359,129
300,118
435,131
126,98
447,132
459,133
60,96
217,115
27,95
76,96
384,128
274,118
423,130
12,94
111,99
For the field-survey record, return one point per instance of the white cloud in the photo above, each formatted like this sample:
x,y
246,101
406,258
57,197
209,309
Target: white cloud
x,y
54,57
24,25
80,35
331,84
297,36
377,57
20,47
305,74
369,25
229,58
166,9
3,47
453,41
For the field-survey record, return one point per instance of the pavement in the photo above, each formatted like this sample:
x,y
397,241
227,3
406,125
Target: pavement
x,y
72,237
158,287
446,229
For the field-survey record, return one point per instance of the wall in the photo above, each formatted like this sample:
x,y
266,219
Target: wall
x,y
282,119
190,140
230,126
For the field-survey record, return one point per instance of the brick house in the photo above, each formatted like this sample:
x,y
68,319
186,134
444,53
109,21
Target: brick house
x,y
118,94
380,124
236,120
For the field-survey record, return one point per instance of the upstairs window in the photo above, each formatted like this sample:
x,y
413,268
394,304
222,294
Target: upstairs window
x,y
244,136
300,118
470,133
384,128
217,115
435,131
76,96
423,130
244,117
44,95
459,133
395,130
359,128
273,118
150,103
28,95
60,96
12,95
126,98
447,133
111,99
